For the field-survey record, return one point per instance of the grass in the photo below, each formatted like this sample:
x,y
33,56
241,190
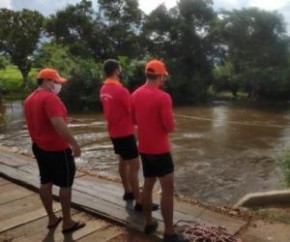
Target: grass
x,y
11,82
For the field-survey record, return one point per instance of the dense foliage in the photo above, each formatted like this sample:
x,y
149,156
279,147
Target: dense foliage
x,y
20,33
244,50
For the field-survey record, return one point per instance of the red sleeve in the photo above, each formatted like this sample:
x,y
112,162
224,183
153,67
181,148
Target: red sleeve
x,y
125,99
167,114
54,107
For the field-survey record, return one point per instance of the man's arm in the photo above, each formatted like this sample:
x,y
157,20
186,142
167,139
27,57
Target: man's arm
x,y
62,129
167,115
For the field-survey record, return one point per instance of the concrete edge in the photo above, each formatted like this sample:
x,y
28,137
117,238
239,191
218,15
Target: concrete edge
x,y
276,197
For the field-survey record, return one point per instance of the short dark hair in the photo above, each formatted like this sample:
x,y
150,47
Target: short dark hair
x,y
110,66
151,76
39,82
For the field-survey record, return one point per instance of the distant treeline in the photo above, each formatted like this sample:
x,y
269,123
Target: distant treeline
x,y
206,52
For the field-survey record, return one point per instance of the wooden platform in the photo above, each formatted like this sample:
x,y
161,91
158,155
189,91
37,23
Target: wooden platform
x,y
22,218
100,197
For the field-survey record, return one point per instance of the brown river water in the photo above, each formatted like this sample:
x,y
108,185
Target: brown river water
x,y
221,151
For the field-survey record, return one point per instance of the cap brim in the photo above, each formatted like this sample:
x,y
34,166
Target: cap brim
x,y
61,80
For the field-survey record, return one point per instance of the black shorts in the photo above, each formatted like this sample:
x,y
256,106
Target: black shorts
x,y
126,147
57,167
157,165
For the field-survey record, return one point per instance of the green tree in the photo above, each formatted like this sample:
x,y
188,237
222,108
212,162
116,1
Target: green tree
x,y
75,27
258,48
182,37
225,79
122,22
19,35
55,55
111,31
3,61
81,93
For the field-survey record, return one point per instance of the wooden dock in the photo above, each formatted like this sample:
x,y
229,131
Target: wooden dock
x,y
23,218
91,196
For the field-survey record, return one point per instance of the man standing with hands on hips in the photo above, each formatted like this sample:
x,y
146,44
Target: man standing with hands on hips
x,y
153,115
53,145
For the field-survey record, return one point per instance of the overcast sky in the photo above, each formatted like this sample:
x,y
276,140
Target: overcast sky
x,y
47,7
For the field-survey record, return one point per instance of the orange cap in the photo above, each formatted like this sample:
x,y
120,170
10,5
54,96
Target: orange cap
x,y
155,67
50,74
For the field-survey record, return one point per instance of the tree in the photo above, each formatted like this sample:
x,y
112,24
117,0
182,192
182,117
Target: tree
x,y
109,32
75,27
19,35
258,48
3,62
182,37
225,79
122,22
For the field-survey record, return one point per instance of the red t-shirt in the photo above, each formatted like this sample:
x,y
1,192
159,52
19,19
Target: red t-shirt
x,y
39,107
152,113
116,105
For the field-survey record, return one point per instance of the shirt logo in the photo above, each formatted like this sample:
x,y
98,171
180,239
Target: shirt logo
x,y
106,96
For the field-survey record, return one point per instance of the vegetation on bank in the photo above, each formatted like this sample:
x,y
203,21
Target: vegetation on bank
x,y
11,83
206,51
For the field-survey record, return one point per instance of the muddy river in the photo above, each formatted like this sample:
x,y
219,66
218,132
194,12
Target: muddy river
x,y
221,152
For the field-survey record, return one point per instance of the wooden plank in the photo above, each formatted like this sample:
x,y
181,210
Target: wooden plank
x,y
104,235
92,224
106,193
56,235
134,236
3,181
14,159
100,207
19,175
22,211
11,191
37,226
30,169
92,183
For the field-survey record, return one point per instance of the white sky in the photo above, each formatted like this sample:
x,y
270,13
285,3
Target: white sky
x,y
47,7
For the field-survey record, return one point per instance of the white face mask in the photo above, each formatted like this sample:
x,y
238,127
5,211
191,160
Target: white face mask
x,y
56,88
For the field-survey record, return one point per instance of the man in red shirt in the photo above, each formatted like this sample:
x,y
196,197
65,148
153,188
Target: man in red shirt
x,y
116,106
153,115
53,145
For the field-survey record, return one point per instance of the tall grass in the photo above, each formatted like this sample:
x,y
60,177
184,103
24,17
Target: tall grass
x,y
284,162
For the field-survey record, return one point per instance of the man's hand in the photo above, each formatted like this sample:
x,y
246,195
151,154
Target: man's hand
x,y
76,150
61,127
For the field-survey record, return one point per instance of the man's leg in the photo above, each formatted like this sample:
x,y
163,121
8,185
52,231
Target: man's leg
x,y
166,183
134,166
147,198
45,193
65,200
124,171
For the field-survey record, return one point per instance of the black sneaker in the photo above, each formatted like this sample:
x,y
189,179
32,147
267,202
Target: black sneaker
x,y
128,196
151,228
176,237
139,208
